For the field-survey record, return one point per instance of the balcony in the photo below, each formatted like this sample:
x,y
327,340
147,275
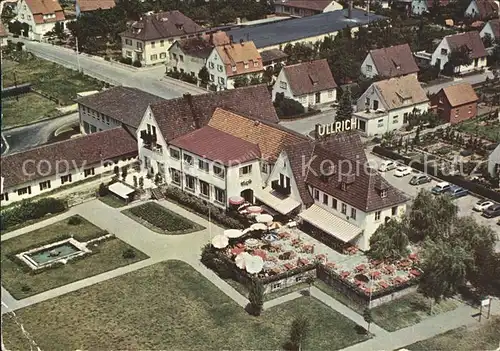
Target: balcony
x,y
148,139
276,186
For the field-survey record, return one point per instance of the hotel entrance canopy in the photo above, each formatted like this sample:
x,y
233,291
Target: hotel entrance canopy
x,y
283,206
331,224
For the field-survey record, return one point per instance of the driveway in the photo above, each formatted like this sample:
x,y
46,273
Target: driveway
x,y
472,79
149,79
27,137
306,125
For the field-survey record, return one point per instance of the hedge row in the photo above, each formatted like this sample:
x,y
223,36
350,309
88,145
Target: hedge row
x,y
203,208
29,210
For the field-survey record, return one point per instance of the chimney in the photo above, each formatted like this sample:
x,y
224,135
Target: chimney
x,y
349,9
189,99
238,20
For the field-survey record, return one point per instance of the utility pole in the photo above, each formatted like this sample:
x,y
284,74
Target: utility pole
x,y
77,54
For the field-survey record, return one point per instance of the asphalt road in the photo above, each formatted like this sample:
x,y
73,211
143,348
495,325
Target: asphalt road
x,y
149,79
472,79
306,125
27,137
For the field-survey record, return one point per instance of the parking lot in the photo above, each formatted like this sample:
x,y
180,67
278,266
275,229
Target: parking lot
x,y
465,204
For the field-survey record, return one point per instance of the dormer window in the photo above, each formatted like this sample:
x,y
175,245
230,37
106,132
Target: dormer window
x,y
383,193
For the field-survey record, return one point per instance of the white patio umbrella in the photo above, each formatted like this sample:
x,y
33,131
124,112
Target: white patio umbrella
x,y
220,241
254,264
240,260
254,209
246,231
258,226
264,218
233,233
236,200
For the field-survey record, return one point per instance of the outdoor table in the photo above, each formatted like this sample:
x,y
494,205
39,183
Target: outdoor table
x,y
376,274
303,261
415,272
383,284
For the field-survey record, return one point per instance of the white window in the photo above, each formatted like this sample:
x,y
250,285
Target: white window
x,y
221,81
188,159
176,176
334,203
343,209
128,53
181,58
153,44
330,94
29,17
256,63
23,191
218,171
212,77
246,65
233,68
219,68
139,45
264,168
88,172
316,194
45,185
162,43
394,119
377,216
174,56
203,165
220,195
353,213
211,64
204,189
154,57
282,85
325,199
394,210
190,182
163,55
245,170
4,197
66,179
174,153
383,193
368,68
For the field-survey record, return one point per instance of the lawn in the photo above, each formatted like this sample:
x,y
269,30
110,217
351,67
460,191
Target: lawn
x,y
408,310
55,80
112,201
485,337
21,282
473,126
161,220
26,109
169,306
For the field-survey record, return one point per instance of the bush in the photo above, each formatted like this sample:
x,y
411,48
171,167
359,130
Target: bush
x,y
107,58
74,220
103,190
29,210
126,60
19,46
129,254
137,63
286,107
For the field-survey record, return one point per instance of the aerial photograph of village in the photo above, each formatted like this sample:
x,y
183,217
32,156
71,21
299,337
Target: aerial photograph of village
x,y
250,175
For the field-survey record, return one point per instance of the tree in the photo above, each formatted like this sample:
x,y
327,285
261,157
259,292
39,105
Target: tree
x,y
204,76
367,316
241,81
488,41
135,181
286,107
345,110
124,172
15,27
310,281
256,297
141,182
389,241
299,332
116,170
103,190
59,30
456,58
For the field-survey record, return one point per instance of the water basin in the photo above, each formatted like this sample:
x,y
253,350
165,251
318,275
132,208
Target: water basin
x,y
53,253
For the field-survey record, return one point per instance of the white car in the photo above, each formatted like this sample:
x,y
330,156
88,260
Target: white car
x,y
482,205
402,171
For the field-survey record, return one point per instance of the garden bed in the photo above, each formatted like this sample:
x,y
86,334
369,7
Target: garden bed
x,y
106,255
27,108
162,220
112,201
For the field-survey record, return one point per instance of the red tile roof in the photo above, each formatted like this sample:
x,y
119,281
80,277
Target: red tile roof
x,y
243,56
93,5
460,94
471,40
162,25
80,152
215,145
176,117
309,77
487,8
394,61
39,8
316,5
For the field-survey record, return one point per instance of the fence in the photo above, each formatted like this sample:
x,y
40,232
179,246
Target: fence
x,y
436,172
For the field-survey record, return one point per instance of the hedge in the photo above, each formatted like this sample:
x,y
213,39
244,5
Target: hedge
x,y
203,208
429,169
29,210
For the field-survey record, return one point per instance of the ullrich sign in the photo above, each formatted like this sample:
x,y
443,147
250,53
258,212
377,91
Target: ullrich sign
x,y
323,130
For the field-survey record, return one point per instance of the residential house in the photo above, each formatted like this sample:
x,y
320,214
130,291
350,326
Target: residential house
x,y
455,103
340,206
310,83
118,106
491,29
304,8
193,159
230,62
387,105
149,39
272,58
85,6
39,17
390,62
190,55
42,169
419,7
494,162
483,9
468,40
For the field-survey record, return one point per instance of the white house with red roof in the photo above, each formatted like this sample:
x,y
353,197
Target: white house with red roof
x,y
39,16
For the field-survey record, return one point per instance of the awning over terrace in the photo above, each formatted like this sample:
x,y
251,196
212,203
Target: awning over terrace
x,y
121,190
331,224
283,206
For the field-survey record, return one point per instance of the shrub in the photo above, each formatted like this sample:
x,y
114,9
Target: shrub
x,y
135,181
126,60
286,107
74,220
141,182
107,58
28,210
129,254
103,190
256,298
137,63
19,46
161,218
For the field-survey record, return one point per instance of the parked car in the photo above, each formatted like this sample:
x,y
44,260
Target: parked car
x,y
441,188
387,166
456,192
420,179
482,205
492,211
402,171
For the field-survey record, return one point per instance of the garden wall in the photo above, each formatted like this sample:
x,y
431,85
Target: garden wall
x,y
429,169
